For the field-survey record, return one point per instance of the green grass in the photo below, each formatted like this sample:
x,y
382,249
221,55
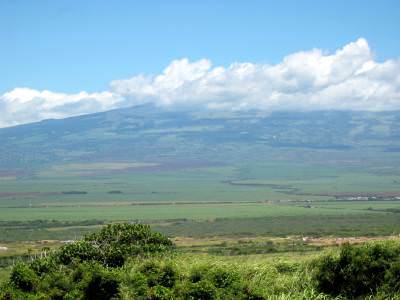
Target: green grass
x,y
313,226
187,211
4,273
363,223
252,181
223,198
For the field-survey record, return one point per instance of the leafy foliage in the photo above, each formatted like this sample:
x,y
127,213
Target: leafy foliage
x,y
24,278
86,269
102,285
203,290
359,271
155,279
114,243
156,274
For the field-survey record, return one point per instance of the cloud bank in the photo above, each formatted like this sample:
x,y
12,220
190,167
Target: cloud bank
x,y
349,79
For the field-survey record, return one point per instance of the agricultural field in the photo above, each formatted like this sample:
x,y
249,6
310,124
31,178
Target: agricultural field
x,y
108,183
269,198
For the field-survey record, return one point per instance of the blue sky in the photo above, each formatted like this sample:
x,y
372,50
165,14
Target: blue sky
x,y
70,46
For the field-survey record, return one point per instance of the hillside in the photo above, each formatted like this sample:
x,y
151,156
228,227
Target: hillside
x,y
147,133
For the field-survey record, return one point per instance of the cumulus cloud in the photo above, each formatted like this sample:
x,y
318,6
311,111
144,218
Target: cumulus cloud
x,y
349,79
24,105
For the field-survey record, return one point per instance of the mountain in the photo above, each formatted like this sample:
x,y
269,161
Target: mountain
x,y
149,133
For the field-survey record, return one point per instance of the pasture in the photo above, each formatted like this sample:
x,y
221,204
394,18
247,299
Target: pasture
x,y
124,183
193,211
272,197
379,218
342,194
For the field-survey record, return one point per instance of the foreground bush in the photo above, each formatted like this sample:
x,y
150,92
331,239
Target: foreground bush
x,y
114,243
129,262
87,269
101,285
24,278
155,279
360,270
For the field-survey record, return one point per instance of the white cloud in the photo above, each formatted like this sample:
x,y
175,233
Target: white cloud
x,y
349,79
24,105
312,80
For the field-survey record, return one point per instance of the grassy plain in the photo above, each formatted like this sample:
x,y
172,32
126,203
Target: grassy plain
x,y
204,211
152,182
276,197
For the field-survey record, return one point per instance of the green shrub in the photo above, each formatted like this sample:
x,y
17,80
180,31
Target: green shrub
x,y
198,274
159,292
56,294
392,278
357,271
10,293
113,257
157,274
130,239
285,267
223,277
168,276
201,290
81,271
23,277
86,269
251,294
56,284
113,244
78,251
101,285
226,281
43,265
134,284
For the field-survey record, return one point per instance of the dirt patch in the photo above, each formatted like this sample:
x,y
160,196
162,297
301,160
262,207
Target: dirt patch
x,y
361,194
335,241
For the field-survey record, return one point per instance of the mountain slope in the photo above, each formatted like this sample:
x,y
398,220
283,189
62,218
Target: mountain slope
x,y
148,133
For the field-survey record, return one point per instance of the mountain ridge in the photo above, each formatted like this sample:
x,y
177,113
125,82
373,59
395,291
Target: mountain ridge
x,y
151,133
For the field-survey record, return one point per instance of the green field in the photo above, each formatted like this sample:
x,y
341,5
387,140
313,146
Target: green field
x,y
372,218
272,198
267,181
191,211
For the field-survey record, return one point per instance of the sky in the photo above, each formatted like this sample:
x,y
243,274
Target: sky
x,y
64,58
